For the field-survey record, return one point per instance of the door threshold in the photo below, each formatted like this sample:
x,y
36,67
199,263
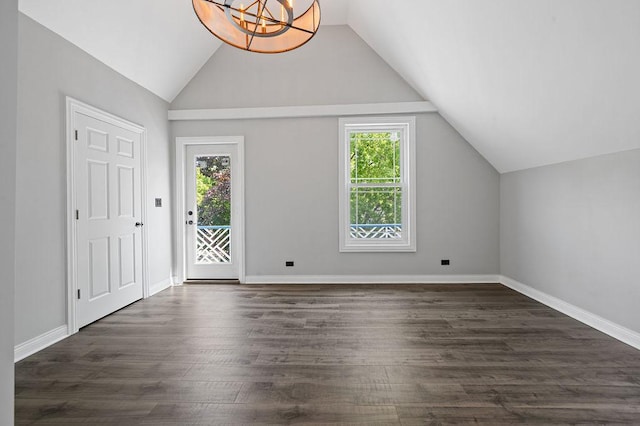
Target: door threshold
x,y
213,281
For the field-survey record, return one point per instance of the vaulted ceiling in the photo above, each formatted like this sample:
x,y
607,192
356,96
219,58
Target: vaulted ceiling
x,y
526,82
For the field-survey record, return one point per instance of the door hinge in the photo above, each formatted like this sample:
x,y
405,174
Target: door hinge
x,y
76,135
78,294
77,214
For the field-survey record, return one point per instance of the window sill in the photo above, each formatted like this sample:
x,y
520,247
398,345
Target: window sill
x,y
377,248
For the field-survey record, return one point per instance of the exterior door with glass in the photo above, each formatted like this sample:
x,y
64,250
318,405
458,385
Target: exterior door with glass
x,y
212,195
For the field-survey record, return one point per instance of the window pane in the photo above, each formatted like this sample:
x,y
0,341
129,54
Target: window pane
x,y
213,189
375,157
376,213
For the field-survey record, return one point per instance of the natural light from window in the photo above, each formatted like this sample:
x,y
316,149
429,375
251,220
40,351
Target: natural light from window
x,y
376,198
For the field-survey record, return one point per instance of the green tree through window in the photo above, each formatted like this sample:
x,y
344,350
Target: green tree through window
x,y
213,191
376,184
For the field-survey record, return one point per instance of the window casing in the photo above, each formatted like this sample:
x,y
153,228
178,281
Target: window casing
x,y
377,184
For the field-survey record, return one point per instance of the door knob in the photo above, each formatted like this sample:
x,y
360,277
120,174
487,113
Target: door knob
x,y
190,222
139,224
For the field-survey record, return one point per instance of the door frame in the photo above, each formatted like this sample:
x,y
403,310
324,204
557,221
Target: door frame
x,y
181,145
73,107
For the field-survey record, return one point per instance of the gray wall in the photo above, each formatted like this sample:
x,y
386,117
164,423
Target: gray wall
x,y
335,67
292,164
51,68
572,230
8,79
291,171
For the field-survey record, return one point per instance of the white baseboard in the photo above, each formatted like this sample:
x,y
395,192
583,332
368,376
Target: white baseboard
x,y
158,287
38,343
47,339
614,330
371,279
610,328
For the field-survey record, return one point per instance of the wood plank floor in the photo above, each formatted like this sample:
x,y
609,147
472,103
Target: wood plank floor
x,y
332,355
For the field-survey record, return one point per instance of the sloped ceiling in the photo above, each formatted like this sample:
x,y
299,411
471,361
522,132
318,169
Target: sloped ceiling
x,y
159,44
154,43
526,82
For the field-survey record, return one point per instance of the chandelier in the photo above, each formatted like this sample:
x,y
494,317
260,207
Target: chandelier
x,y
264,26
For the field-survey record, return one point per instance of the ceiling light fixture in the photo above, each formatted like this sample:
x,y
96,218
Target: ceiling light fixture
x,y
264,26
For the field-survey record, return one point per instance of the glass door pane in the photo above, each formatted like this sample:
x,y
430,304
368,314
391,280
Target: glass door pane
x,y
213,199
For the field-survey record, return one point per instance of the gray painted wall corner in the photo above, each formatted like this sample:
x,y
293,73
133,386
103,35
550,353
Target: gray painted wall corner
x,y
571,230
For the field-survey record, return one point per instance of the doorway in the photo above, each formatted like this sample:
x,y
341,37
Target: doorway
x,y
210,176
106,239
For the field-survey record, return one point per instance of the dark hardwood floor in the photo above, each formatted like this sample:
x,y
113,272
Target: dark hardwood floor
x,y
332,355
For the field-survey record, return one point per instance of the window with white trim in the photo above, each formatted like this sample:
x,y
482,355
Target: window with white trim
x,y
377,184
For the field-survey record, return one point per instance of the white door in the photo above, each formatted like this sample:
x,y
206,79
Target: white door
x,y
213,205
109,201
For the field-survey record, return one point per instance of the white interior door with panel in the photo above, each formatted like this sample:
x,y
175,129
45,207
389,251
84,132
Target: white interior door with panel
x,y
108,223
212,213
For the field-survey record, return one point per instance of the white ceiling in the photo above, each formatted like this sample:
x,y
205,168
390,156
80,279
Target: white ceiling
x,y
159,44
526,82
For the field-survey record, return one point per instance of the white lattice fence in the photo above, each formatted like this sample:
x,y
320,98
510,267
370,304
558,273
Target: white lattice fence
x,y
376,231
213,245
